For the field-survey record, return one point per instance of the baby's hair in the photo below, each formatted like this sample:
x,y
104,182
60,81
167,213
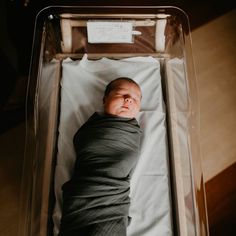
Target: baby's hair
x,y
111,85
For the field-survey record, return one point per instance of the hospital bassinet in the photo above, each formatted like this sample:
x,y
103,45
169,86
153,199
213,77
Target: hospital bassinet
x,y
76,51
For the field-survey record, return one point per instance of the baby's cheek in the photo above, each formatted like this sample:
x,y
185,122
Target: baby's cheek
x,y
137,107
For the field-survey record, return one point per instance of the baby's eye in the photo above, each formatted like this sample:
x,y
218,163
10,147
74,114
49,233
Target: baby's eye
x,y
119,94
136,98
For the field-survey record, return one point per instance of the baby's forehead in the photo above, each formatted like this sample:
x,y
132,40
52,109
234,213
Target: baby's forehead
x,y
128,87
123,84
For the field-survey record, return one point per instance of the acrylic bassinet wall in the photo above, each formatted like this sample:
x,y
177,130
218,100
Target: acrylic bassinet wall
x,y
160,32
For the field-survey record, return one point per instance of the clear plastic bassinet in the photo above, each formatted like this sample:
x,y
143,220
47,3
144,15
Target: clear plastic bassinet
x,y
115,33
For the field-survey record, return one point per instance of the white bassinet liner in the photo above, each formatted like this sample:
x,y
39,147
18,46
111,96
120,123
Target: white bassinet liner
x,y
82,87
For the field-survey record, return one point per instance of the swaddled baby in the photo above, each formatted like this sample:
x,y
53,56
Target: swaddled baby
x,y
96,199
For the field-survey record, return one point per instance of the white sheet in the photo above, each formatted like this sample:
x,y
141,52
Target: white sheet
x,y
82,86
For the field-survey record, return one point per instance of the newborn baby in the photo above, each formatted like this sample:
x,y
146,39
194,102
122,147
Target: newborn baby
x,y
122,97
96,198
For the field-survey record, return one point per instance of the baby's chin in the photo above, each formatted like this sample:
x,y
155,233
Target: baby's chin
x,y
124,114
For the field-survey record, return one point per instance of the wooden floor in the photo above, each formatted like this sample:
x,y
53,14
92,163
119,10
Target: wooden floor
x,y
11,153
214,51
221,199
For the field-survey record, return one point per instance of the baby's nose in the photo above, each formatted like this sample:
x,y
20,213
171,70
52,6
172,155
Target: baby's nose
x,y
128,99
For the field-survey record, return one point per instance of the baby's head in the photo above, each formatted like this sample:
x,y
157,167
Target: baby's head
x,y
122,98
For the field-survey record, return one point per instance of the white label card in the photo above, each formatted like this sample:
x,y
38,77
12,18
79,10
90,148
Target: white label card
x,y
109,32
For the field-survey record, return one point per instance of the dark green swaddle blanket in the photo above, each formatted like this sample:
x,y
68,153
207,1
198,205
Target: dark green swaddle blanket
x,y
107,149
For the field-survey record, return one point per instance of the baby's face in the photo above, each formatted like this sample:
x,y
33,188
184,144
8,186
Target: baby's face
x,y
124,100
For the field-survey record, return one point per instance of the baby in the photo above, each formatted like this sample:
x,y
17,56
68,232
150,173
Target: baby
x,y
96,198
122,98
